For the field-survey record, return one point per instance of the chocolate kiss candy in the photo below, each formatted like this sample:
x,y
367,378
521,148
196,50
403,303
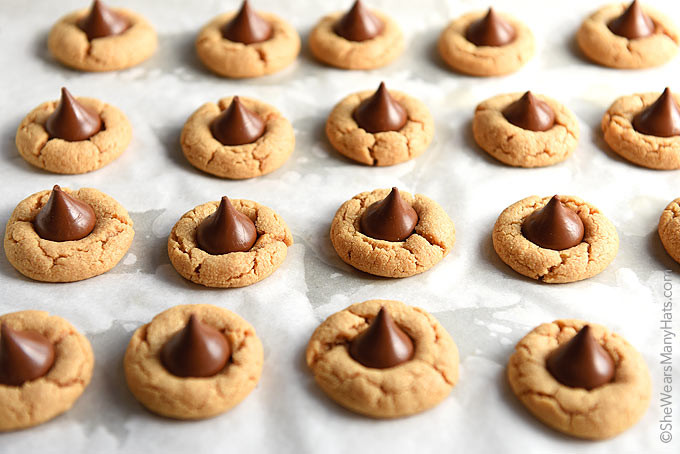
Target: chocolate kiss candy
x,y
71,120
381,112
247,27
491,30
661,119
64,218
383,344
633,23
237,125
226,230
102,22
529,112
581,362
24,356
359,24
391,219
198,350
554,226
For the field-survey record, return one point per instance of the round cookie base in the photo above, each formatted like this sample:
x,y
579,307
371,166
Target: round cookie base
x,y
408,388
519,147
235,269
382,148
595,252
669,229
70,45
237,60
432,240
467,58
192,397
68,261
602,46
600,413
61,156
266,154
44,398
662,153
334,50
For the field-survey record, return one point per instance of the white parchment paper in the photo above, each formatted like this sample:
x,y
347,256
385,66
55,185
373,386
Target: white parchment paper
x,y
485,306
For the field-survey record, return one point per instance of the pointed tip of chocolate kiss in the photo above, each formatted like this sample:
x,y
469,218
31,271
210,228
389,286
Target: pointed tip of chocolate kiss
x,y
71,120
226,230
247,26
530,113
102,21
64,218
661,118
359,24
380,112
383,344
24,356
237,125
581,362
491,30
634,23
390,219
554,226
197,350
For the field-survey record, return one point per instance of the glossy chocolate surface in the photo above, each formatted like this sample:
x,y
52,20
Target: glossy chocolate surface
x,y
554,226
380,112
390,219
24,356
383,344
226,230
64,218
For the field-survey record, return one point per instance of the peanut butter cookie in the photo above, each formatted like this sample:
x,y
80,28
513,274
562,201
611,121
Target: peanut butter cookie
x,y
642,149
68,261
520,147
598,413
41,399
121,45
190,397
498,59
412,386
266,154
39,148
669,229
431,240
231,58
234,269
587,258
384,148
378,42
601,45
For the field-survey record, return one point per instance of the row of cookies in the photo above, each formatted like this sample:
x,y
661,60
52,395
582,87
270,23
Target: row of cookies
x,y
379,358
245,43
243,138
65,236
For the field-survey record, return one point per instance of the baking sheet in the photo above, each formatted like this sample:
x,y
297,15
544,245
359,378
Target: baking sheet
x,y
485,306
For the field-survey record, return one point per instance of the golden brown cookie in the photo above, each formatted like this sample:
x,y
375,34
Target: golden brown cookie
x,y
520,147
237,60
468,58
265,155
235,269
402,390
40,400
602,46
599,413
596,251
334,50
669,229
642,149
62,156
69,44
192,397
381,148
432,240
68,261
